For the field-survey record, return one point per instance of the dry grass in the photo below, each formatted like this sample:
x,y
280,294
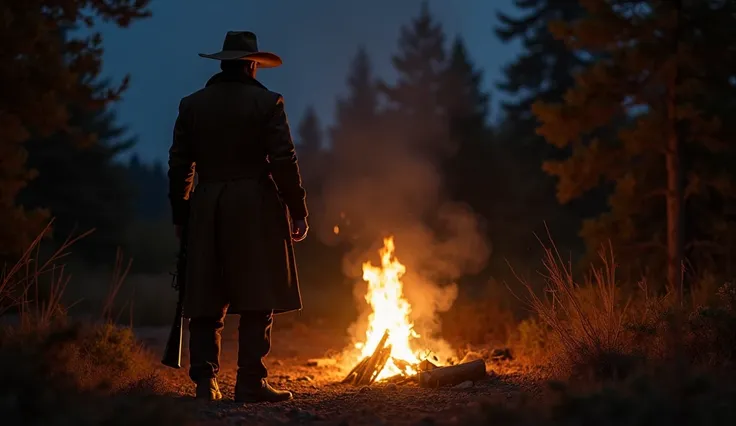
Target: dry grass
x,y
54,371
21,286
622,359
587,319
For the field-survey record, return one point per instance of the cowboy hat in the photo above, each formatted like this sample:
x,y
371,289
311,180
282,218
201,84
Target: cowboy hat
x,y
243,45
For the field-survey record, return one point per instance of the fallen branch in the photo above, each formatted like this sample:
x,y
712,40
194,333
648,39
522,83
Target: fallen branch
x,y
453,374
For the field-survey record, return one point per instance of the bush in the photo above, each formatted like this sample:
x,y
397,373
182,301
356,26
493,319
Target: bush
x,y
81,375
587,320
57,372
591,332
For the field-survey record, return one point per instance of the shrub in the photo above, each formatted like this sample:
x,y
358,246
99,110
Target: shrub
x,y
587,320
81,375
54,371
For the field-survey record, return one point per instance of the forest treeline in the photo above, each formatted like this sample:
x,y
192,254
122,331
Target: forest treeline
x,y
618,131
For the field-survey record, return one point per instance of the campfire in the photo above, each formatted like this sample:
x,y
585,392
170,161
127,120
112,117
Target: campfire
x,y
391,349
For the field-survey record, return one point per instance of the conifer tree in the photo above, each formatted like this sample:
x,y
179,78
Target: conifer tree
x,y
356,114
353,139
469,172
311,153
84,187
636,118
309,133
150,188
44,71
361,104
415,100
543,70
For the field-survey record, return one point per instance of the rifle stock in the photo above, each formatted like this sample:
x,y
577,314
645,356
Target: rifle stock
x,y
172,353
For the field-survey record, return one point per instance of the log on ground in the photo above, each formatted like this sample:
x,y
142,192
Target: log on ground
x,y
453,374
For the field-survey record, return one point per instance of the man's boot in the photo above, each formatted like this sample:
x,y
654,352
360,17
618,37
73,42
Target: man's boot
x,y
208,390
260,391
254,343
204,356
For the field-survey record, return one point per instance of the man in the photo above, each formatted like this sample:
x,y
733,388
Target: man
x,y
242,216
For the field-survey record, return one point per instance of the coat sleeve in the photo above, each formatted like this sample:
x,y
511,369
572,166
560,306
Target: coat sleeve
x,y
283,161
180,166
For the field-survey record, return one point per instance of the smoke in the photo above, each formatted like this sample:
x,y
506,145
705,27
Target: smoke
x,y
382,182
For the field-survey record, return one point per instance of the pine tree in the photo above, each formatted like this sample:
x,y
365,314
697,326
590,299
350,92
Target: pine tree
x,y
415,100
149,240
542,71
309,133
469,172
45,70
636,118
545,68
150,187
354,137
356,114
361,104
310,151
84,187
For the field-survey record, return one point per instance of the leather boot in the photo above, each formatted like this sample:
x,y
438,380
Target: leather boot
x,y
259,391
208,390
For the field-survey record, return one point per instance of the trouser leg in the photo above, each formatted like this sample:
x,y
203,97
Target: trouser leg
x,y
254,344
205,339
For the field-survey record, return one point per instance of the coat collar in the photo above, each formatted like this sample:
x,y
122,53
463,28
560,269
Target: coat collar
x,y
234,77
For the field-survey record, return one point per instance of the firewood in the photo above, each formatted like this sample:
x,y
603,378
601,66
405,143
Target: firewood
x,y
364,376
426,365
453,374
351,376
380,364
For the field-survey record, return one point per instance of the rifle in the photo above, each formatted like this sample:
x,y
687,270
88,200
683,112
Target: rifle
x,y
172,353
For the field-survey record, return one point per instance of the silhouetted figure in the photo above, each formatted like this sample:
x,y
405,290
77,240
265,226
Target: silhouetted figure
x,y
240,255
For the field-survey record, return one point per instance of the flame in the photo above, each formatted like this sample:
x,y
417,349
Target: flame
x,y
390,311
336,230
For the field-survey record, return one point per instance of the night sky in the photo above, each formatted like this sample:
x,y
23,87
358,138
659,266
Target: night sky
x,y
317,39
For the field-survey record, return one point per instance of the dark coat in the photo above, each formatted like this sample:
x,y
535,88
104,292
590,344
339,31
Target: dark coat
x,y
240,253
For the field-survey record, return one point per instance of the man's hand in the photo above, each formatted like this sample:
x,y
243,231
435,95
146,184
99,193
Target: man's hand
x,y
177,230
299,229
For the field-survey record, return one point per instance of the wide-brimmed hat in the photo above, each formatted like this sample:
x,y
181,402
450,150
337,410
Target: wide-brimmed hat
x,y
243,45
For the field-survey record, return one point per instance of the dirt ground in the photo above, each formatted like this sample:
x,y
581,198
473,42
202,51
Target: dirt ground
x,y
320,398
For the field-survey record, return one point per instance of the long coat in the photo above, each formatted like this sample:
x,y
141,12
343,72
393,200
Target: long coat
x,y
235,133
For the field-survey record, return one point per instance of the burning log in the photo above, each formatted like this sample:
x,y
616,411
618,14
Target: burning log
x,y
426,365
453,374
350,378
380,363
366,372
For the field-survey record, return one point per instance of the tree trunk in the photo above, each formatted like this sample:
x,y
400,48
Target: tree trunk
x,y
675,222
